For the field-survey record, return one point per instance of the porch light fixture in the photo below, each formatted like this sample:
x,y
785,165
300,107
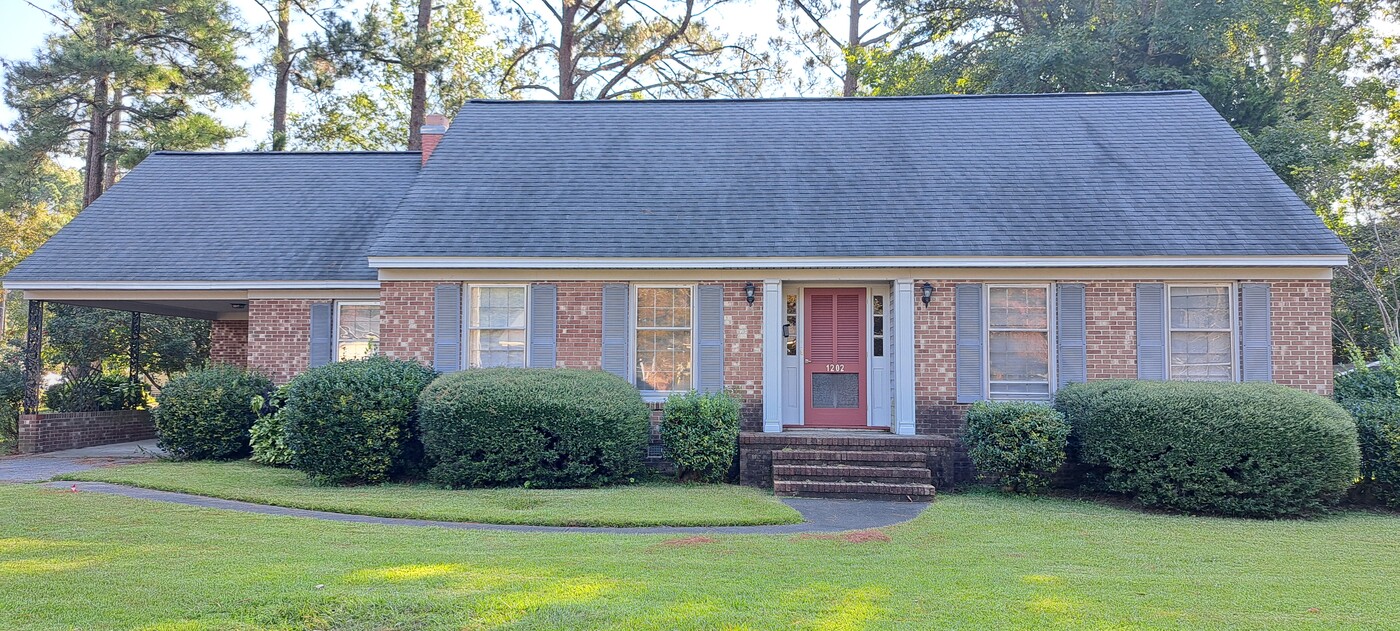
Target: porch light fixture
x,y
748,293
928,293
239,306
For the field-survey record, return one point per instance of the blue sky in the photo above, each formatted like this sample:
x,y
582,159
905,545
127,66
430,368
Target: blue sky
x,y
23,27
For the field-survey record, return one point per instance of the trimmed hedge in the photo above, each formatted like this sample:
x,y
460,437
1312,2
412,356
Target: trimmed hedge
x,y
534,427
354,421
204,414
1378,432
1020,444
1252,449
700,433
97,392
11,397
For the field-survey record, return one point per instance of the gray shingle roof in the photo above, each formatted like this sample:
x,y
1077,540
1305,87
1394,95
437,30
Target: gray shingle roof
x,y
1047,175
231,217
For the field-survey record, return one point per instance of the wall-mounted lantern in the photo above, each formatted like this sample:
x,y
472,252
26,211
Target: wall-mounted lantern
x,y
748,293
928,293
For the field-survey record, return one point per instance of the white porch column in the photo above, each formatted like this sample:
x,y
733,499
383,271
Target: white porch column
x,y
903,357
772,355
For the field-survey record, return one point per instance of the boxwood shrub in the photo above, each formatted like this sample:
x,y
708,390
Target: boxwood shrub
x,y
1019,444
1251,449
700,433
534,427
268,436
1378,432
204,414
354,421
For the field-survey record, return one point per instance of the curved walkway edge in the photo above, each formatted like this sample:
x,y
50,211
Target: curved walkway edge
x,y
819,515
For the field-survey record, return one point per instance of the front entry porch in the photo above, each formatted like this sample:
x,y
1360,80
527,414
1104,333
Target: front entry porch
x,y
852,464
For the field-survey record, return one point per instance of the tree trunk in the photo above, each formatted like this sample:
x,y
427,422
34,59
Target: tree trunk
x,y
568,14
283,68
109,173
97,126
418,103
852,78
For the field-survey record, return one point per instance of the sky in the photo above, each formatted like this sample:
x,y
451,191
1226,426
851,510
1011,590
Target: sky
x,y
23,27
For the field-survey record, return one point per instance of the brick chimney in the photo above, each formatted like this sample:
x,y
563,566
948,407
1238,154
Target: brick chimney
x,y
434,126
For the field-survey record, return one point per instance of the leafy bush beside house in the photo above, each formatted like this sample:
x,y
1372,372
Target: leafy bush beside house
x,y
354,421
97,392
1378,432
535,427
700,433
204,413
11,396
268,436
1252,449
1019,444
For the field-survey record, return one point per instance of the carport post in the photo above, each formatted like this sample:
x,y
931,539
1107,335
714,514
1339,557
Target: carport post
x,y
134,354
33,364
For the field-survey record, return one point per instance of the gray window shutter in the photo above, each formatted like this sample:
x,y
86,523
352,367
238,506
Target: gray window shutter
x,y
967,308
709,316
1152,331
1070,335
322,335
447,327
1256,339
544,311
615,327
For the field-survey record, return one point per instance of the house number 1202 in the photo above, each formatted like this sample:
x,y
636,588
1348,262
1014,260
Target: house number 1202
x,y
836,368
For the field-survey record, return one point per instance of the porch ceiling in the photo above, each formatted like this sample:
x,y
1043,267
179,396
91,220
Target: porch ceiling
x,y
223,305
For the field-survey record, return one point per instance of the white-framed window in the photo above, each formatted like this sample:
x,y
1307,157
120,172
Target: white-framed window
x,y
1018,342
496,321
663,337
356,329
1201,332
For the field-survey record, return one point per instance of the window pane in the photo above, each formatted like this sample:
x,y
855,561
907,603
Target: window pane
x,y
791,330
1018,356
1201,356
354,350
1200,308
663,360
498,307
359,322
839,390
1020,391
1018,307
663,307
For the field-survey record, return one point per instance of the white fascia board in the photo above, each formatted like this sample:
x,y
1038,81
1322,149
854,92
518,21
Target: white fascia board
x,y
452,262
139,285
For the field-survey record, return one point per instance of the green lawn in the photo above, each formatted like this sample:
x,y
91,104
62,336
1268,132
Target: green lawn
x,y
94,561
635,505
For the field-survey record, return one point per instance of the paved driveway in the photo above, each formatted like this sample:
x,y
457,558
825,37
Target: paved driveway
x,y
40,467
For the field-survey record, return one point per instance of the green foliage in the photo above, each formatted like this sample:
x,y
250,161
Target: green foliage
x,y
1244,449
1378,432
96,392
204,414
536,427
1021,444
11,395
84,340
354,421
268,437
701,434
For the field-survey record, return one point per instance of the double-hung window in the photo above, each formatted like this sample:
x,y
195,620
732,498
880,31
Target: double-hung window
x,y
1201,333
356,329
664,338
496,326
1018,342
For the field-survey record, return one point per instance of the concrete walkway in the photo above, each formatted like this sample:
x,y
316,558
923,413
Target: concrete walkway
x,y
40,467
820,516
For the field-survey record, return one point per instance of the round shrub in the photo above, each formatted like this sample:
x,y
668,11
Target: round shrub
x,y
1378,432
701,435
1243,449
204,414
354,421
533,427
1020,444
269,434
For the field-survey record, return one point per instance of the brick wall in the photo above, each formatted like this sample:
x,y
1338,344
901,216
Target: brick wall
x,y
1302,334
579,337
279,337
1110,325
228,342
55,431
743,350
406,320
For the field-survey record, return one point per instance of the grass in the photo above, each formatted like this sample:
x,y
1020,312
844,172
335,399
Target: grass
x,y
92,561
634,505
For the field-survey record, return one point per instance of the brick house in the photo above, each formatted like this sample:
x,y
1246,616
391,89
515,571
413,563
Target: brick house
x,y
855,270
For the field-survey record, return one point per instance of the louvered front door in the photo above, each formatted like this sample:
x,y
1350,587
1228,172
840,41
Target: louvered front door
x,y
834,358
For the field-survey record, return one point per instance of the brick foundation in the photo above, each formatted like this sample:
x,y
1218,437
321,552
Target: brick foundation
x,y
56,431
228,342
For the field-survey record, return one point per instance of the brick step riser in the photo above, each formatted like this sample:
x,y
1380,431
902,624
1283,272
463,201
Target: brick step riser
x,y
851,458
803,487
859,496
893,475
856,480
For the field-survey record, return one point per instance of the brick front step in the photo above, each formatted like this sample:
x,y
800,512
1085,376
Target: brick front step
x,y
855,490
842,473
850,458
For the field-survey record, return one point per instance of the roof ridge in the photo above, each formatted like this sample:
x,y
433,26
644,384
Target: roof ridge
x,y
834,99
167,152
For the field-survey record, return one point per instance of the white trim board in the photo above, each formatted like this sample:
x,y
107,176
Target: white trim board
x,y
147,285
456,262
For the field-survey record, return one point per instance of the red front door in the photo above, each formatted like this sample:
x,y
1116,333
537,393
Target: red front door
x,y
834,367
